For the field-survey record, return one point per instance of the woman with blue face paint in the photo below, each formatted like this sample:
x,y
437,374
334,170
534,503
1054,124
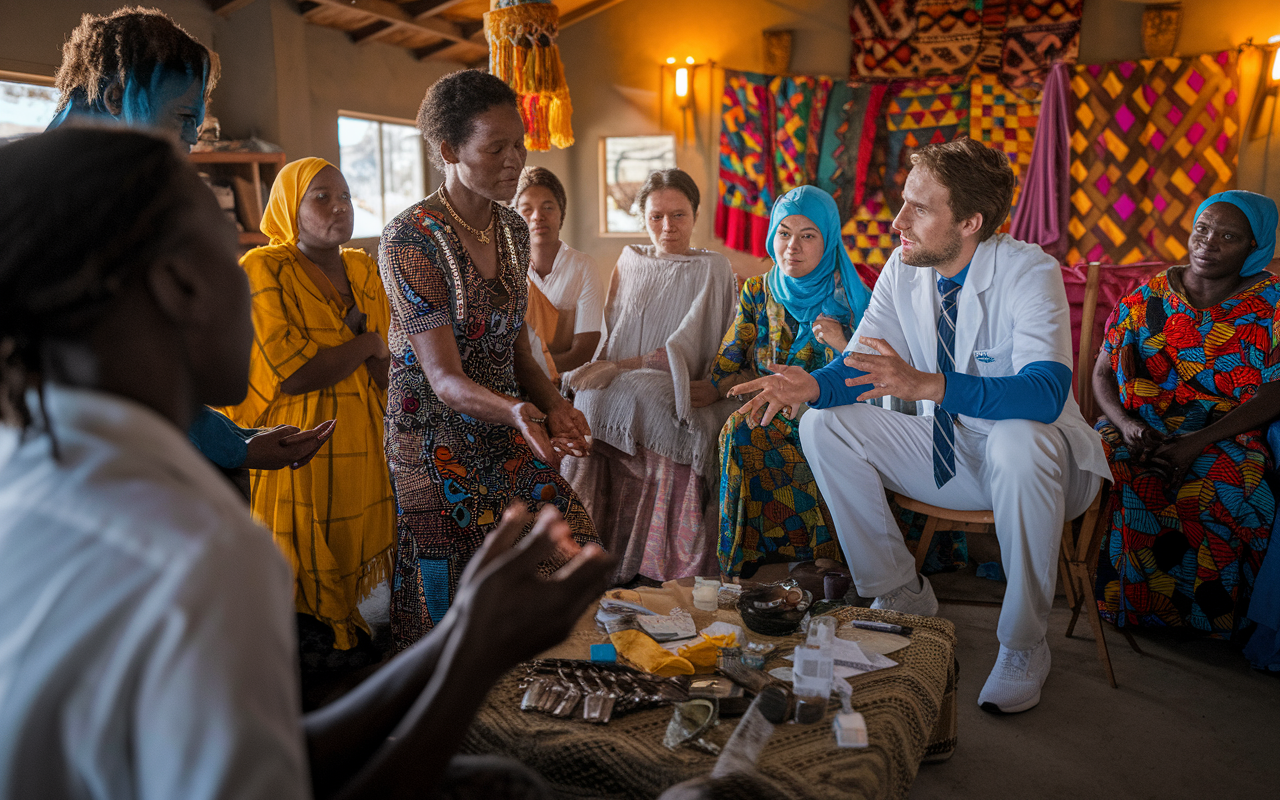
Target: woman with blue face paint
x,y
802,312
139,68
1189,379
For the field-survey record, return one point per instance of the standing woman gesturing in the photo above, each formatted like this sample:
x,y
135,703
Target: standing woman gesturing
x,y
472,421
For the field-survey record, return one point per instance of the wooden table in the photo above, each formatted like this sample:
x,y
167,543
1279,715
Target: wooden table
x,y
910,712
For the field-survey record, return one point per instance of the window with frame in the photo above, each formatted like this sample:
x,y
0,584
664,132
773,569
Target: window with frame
x,y
27,105
382,160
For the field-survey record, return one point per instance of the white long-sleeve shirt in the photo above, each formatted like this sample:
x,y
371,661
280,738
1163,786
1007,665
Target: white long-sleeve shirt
x,y
147,646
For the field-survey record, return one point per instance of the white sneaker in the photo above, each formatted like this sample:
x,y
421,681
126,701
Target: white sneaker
x,y
922,602
1015,681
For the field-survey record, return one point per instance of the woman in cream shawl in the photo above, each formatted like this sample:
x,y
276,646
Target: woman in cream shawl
x,y
650,483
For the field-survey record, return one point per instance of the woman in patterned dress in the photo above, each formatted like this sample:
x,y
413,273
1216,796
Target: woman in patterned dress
x,y
1189,378
472,422
802,312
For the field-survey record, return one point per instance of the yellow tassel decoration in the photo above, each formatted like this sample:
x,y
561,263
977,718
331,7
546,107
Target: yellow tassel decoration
x,y
523,53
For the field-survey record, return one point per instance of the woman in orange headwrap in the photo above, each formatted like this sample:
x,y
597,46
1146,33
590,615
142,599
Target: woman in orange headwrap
x,y
319,353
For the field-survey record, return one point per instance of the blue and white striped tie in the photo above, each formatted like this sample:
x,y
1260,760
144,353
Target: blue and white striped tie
x,y
944,433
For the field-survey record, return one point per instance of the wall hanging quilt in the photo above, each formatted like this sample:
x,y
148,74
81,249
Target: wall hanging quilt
x,y
855,140
800,103
1152,140
1003,120
1017,39
868,234
1037,34
920,114
770,137
746,160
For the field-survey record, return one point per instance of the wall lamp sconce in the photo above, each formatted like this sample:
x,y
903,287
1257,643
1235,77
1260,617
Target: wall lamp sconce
x,y
681,94
1268,89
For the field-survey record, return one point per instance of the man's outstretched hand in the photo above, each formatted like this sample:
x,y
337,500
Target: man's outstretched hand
x,y
286,446
888,374
785,390
507,608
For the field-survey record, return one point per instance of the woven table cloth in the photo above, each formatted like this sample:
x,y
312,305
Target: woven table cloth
x,y
910,712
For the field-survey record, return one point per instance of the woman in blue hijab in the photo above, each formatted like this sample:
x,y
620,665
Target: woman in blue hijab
x,y
1189,380
802,312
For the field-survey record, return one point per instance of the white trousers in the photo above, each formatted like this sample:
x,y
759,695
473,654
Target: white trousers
x,y
1022,470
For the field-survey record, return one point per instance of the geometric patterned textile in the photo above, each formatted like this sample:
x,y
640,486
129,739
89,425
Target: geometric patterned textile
x,y
883,39
770,139
1153,139
1003,120
1188,554
1036,34
1017,39
746,160
920,114
800,103
856,135
868,234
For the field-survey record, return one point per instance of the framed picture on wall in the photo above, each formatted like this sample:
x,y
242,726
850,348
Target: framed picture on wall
x,y
625,164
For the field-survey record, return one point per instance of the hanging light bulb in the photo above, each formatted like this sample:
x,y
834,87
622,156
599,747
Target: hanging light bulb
x,y
671,59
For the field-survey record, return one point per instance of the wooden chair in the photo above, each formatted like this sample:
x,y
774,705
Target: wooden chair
x,y
1078,555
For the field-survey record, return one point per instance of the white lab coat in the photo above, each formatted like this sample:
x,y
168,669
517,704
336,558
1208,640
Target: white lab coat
x,y
1011,312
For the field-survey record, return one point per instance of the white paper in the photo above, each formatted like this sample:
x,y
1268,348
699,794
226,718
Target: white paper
x,y
850,660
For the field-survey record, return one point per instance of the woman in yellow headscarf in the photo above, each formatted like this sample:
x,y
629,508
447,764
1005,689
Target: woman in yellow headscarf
x,y
320,353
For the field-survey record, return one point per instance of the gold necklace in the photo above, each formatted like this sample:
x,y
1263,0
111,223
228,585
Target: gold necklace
x,y
481,236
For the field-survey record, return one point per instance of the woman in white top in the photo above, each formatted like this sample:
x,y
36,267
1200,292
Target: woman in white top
x,y
650,484
568,278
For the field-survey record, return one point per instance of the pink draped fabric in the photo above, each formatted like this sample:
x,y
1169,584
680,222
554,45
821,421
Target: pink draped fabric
x,y
656,517
1041,215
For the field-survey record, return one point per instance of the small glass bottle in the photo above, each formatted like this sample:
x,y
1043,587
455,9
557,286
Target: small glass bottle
x,y
812,671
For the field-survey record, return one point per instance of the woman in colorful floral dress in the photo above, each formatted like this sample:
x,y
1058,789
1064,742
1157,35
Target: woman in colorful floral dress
x,y
802,312
472,422
1189,379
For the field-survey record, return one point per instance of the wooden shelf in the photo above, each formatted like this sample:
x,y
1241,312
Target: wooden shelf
x,y
224,157
250,176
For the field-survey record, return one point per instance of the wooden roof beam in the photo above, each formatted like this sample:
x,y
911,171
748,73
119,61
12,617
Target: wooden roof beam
x,y
225,8
429,8
374,31
386,11
423,53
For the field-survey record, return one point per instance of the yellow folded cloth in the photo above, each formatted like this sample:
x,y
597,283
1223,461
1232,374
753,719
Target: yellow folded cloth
x,y
703,654
640,649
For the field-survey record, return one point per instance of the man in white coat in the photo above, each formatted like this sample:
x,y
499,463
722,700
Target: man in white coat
x,y
974,327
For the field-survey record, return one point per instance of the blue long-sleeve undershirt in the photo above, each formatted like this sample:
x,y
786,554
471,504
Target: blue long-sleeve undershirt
x,y
1038,392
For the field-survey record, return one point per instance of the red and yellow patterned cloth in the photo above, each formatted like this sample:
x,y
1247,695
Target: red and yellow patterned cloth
x,y
1187,555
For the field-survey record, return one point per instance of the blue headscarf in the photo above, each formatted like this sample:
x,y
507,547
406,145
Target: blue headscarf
x,y
805,298
1261,212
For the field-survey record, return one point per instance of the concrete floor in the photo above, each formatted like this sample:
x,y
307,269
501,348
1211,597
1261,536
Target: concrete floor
x,y
1189,719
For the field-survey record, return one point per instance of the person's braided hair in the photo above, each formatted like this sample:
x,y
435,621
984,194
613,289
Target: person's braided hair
x,y
83,212
130,41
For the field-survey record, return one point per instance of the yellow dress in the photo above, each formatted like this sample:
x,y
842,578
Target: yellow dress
x,y
334,519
